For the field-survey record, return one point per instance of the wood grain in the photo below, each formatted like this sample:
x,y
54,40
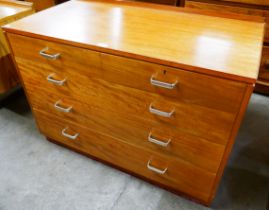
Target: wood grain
x,y
232,9
211,51
8,74
262,85
264,70
71,58
135,130
205,91
43,4
107,73
243,8
229,146
180,175
127,72
111,98
9,11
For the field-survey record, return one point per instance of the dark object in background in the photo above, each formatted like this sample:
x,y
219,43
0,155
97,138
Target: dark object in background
x,y
43,4
166,2
60,1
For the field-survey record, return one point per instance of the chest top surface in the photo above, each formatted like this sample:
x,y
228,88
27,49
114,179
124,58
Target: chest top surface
x,y
212,45
11,8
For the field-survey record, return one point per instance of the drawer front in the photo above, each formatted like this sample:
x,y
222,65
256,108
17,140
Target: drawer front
x,y
101,115
109,98
207,91
156,137
232,9
61,57
191,88
180,175
264,69
134,129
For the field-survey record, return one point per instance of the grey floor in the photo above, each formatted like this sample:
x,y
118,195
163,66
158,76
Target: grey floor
x,y
38,175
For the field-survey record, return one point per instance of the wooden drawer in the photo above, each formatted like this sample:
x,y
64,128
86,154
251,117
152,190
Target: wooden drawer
x,y
180,175
264,69
109,98
72,58
183,145
206,91
215,6
192,88
101,115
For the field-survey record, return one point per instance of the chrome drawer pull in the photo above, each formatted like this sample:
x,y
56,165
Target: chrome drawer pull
x,y
73,137
159,112
59,107
163,84
156,141
48,56
54,81
159,171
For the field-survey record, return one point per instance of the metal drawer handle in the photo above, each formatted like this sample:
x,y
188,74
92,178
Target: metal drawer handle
x,y
54,81
159,112
48,56
73,137
158,142
59,107
166,85
159,171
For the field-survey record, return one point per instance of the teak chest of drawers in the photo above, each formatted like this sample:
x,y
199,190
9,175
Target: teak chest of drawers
x,y
122,83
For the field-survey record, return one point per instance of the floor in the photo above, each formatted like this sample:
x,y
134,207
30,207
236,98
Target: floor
x,y
38,175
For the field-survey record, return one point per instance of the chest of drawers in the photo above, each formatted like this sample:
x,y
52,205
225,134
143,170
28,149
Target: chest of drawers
x,y
9,12
128,94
